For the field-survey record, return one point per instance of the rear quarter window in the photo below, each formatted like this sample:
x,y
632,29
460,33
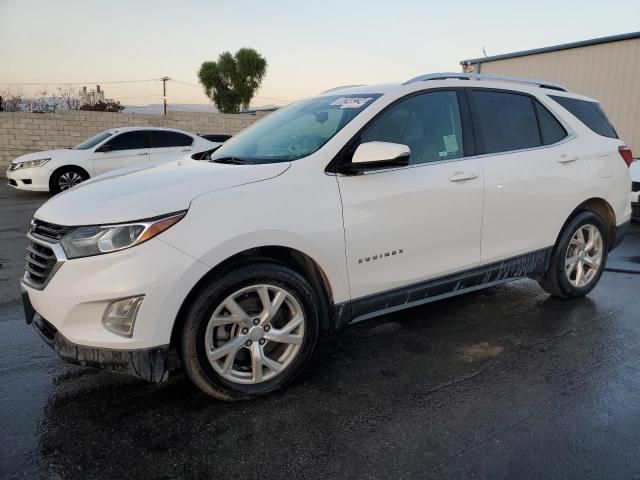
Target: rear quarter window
x,y
551,130
589,113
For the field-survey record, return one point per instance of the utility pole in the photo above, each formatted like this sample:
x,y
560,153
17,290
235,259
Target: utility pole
x,y
164,92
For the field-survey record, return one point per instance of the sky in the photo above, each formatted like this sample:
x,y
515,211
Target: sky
x,y
309,46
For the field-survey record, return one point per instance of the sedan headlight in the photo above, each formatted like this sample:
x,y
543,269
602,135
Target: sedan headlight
x,y
99,239
31,163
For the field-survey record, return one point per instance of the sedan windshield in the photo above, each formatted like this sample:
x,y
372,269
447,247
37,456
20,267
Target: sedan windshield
x,y
295,131
93,141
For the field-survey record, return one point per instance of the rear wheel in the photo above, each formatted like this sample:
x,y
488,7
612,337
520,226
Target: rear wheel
x,y
578,258
250,332
66,178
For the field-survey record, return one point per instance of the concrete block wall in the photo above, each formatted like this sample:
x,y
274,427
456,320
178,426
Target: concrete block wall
x,y
22,132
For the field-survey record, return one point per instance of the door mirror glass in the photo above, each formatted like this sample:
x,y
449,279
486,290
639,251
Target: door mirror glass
x,y
376,155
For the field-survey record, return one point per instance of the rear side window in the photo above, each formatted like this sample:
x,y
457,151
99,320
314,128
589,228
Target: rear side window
x,y
550,128
505,121
165,138
129,141
589,113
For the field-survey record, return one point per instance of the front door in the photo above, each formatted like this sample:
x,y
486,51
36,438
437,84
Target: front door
x,y
123,150
410,224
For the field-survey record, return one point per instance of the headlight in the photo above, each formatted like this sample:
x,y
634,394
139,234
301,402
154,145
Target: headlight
x,y
99,239
31,163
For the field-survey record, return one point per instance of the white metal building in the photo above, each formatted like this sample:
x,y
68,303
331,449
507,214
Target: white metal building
x,y
607,69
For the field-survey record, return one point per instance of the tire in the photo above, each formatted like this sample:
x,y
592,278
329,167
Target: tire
x,y
65,178
561,279
246,286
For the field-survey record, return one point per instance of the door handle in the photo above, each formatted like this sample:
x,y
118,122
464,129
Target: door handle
x,y
564,158
186,150
144,153
462,176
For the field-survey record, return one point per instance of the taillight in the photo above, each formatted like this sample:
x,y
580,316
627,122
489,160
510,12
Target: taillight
x,y
626,154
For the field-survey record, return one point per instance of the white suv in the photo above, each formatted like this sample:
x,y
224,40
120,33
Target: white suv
x,y
360,201
58,170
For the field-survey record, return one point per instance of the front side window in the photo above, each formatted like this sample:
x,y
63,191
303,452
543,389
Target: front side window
x,y
166,138
295,131
589,113
93,141
504,121
428,123
129,141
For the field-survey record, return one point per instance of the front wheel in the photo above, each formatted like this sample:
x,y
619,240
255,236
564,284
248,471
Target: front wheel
x,y
250,332
66,178
578,258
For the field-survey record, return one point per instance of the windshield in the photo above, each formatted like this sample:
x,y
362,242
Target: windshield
x,y
295,131
93,141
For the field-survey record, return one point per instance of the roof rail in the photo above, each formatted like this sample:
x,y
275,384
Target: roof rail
x,y
341,87
485,76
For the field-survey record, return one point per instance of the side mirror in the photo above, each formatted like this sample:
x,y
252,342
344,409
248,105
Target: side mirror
x,y
376,155
104,148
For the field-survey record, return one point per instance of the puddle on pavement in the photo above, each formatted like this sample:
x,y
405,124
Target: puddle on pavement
x,y
480,351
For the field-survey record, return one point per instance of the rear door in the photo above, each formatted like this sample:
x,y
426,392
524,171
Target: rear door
x,y
123,150
533,172
167,145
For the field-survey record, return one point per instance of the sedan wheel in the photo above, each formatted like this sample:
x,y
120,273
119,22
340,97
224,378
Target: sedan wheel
x,y
68,180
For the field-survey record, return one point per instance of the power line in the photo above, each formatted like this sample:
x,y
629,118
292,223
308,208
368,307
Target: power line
x,y
256,96
29,84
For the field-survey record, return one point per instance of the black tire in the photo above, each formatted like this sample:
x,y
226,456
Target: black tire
x,y
210,296
555,281
55,183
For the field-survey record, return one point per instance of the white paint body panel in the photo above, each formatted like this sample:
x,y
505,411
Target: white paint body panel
x,y
516,203
401,211
634,170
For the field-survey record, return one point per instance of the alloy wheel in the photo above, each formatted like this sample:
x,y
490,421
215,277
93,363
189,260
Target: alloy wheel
x,y
255,334
584,256
69,179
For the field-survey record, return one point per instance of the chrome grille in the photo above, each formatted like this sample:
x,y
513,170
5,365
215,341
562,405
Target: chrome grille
x,y
44,252
47,230
635,186
41,260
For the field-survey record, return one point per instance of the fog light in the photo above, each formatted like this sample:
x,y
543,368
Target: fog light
x,y
120,316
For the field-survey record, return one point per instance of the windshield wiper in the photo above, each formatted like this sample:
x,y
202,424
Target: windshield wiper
x,y
233,161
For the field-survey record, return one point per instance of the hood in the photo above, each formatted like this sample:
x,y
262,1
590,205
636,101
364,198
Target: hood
x,y
136,193
65,152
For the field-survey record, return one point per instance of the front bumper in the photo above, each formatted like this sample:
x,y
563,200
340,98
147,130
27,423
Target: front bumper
x,y
635,204
152,364
32,179
76,296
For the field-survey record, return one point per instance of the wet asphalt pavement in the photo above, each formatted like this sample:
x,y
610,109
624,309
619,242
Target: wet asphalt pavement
x,y
503,383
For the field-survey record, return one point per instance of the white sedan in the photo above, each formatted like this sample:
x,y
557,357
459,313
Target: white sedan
x,y
58,170
634,170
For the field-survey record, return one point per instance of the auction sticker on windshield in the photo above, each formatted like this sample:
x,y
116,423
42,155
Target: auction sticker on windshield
x,y
351,102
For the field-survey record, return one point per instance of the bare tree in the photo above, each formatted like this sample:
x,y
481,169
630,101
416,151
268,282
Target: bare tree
x,y
11,100
69,98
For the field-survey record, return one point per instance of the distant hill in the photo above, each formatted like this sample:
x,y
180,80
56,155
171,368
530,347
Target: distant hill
x,y
157,108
